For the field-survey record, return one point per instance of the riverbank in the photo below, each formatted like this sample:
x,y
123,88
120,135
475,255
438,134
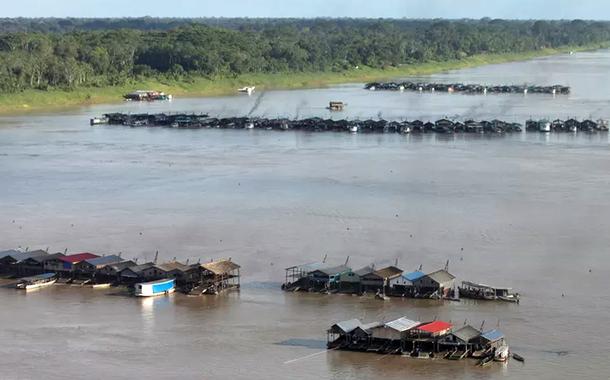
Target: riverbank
x,y
36,100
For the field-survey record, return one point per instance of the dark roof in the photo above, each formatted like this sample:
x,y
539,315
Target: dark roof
x,y
110,259
330,271
466,333
168,267
220,267
366,270
27,255
78,257
122,265
346,326
142,267
43,258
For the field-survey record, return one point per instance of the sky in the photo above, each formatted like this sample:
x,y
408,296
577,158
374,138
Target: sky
x,y
513,9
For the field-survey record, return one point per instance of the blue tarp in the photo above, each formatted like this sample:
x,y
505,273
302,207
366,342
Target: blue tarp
x,y
413,275
492,335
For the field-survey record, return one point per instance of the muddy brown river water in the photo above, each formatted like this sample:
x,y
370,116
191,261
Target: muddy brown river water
x,y
530,211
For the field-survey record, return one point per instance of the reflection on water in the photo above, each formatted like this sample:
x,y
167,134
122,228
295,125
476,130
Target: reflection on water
x,y
529,210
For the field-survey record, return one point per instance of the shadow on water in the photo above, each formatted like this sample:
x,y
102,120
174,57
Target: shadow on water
x,y
300,342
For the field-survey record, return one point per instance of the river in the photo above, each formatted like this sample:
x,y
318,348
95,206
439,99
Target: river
x,y
526,210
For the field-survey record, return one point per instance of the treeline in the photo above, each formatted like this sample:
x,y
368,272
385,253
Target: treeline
x,y
71,56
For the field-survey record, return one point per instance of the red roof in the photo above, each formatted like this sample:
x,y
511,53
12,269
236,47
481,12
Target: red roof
x,y
78,257
436,326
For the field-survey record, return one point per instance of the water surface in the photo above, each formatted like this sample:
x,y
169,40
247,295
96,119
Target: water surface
x,y
527,210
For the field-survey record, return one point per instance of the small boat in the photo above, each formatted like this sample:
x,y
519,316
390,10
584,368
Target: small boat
x,y
518,357
502,354
98,120
155,288
100,286
36,282
486,360
509,298
247,89
545,126
353,129
78,282
249,126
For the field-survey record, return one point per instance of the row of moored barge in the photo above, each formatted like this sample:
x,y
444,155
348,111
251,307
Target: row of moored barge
x,y
37,269
433,339
203,121
467,88
320,277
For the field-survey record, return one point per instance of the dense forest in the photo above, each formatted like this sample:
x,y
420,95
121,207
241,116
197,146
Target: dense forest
x,y
69,53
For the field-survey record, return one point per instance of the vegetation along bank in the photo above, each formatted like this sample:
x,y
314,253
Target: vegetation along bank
x,y
54,62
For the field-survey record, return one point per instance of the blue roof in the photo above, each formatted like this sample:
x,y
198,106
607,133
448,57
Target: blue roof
x,y
110,259
492,335
413,275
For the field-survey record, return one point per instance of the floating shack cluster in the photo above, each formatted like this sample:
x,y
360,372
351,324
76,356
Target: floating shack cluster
x,y
432,339
570,125
467,88
110,270
388,281
147,95
443,126
196,121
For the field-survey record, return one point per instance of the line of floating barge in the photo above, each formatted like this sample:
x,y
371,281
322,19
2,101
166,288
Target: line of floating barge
x,y
467,88
204,121
389,281
39,269
424,340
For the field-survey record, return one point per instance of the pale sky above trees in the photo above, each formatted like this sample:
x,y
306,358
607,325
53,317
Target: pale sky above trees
x,y
523,9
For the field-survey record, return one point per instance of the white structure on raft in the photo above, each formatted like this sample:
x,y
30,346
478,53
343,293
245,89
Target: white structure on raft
x,y
155,288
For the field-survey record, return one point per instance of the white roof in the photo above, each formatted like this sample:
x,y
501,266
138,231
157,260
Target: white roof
x,y
402,324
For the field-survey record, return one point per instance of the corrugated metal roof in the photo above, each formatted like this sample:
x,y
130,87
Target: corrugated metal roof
x,y
122,265
441,276
492,335
43,258
348,326
220,267
466,333
175,265
412,276
27,255
402,324
78,257
331,271
110,259
368,326
9,252
139,268
436,326
366,270
388,272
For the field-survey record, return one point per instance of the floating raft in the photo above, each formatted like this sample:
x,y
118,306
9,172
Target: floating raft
x,y
467,88
315,124
425,340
